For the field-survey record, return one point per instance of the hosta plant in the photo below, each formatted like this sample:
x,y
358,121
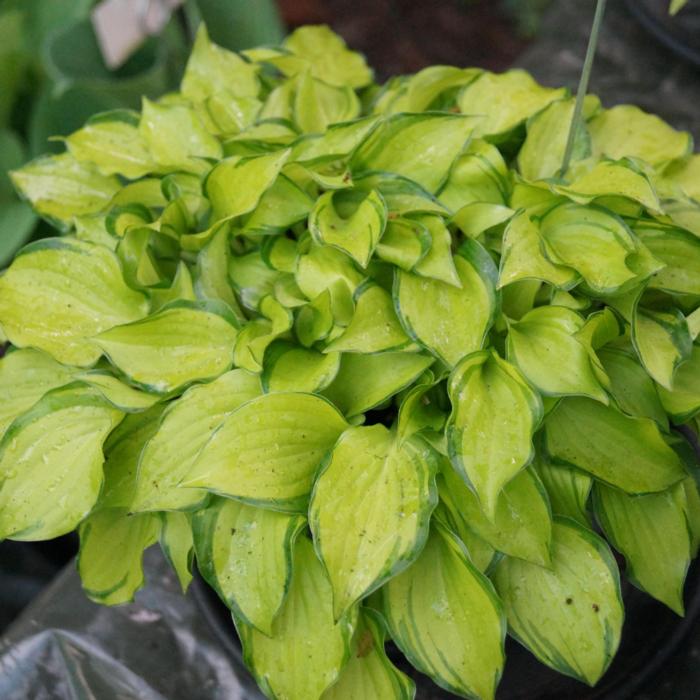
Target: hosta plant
x,y
370,357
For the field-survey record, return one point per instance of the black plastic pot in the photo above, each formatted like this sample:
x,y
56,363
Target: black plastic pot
x,y
680,34
651,637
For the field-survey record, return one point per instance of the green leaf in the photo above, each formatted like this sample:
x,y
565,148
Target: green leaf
x,y
450,321
421,147
212,69
568,489
305,622
350,220
522,526
494,415
370,510
70,285
365,381
627,131
25,376
628,453
662,341
317,104
445,617
327,56
369,674
112,543
679,250
437,263
280,207
683,402
523,256
652,533
187,425
251,278
17,224
120,395
477,217
683,173
235,185
60,187
505,100
176,541
180,344
544,346
245,553
405,243
289,367
268,450
56,449
569,616
374,326
631,387
112,143
677,6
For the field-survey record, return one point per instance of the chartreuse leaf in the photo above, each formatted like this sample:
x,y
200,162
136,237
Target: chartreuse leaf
x,y
318,104
421,147
679,250
692,512
437,262
350,220
186,426
628,453
289,367
523,524
683,402
592,241
60,187
523,257
569,616
212,69
505,100
180,344
177,543
369,674
111,549
446,618
450,321
245,553
365,381
120,395
478,217
51,463
374,326
235,185
419,410
478,175
683,173
652,533
626,130
405,243
494,415
267,451
25,376
427,85
568,489
251,278
181,288
370,510
280,207
662,340
631,387
544,346
75,290
113,144
304,622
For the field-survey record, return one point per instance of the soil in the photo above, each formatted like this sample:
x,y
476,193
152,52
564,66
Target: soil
x,y
403,36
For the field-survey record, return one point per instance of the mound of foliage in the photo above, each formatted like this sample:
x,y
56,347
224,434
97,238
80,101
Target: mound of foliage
x,y
370,357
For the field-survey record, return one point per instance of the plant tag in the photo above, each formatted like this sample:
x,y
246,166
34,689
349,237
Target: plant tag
x,y
121,26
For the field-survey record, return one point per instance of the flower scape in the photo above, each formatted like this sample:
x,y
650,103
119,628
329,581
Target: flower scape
x,y
370,357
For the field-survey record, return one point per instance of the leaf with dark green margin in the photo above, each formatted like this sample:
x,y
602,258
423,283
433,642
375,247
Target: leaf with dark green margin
x,y
437,262
370,510
317,104
446,618
405,243
652,533
177,543
450,321
570,616
683,402
186,427
245,553
70,285
494,415
629,453
568,488
267,451
304,622
288,367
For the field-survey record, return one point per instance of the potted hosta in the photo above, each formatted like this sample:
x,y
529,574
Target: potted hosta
x,y
390,362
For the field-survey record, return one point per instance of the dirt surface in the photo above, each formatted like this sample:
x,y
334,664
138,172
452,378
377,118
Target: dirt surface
x,y
402,36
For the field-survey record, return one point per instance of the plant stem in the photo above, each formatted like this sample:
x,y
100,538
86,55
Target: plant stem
x,y
583,84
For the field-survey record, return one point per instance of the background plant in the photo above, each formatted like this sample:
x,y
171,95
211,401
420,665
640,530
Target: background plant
x,y
369,356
